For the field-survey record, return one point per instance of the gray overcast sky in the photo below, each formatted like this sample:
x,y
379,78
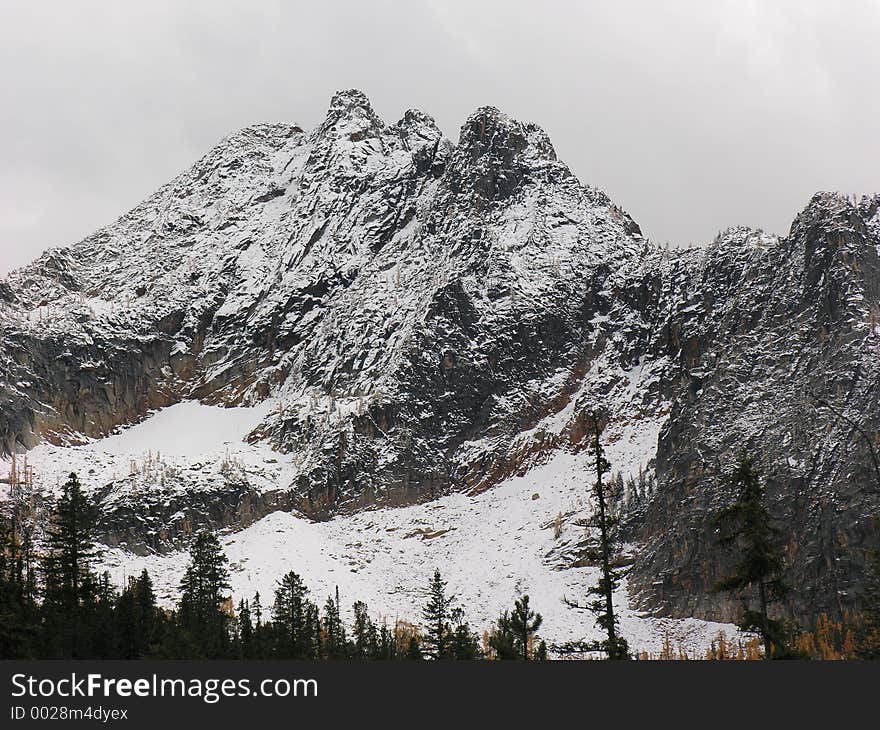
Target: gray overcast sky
x,y
693,116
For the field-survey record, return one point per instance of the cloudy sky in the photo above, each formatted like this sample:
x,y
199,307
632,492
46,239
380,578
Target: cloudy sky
x,y
692,115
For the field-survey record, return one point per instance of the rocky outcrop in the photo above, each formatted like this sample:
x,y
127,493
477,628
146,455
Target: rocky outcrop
x,y
782,355
158,520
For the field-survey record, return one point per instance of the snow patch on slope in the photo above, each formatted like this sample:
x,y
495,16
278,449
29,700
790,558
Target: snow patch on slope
x,y
188,444
186,428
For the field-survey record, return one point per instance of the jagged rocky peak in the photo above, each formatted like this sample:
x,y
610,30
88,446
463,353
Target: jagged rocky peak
x,y
490,130
829,211
419,130
351,117
869,206
354,140
416,123
834,225
837,240
745,245
496,154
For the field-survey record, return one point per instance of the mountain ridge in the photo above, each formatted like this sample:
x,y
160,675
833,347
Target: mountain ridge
x,y
433,317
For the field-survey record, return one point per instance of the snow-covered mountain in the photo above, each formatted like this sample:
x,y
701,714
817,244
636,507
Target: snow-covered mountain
x,y
392,318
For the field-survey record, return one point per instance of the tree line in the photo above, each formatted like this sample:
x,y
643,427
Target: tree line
x,y
56,606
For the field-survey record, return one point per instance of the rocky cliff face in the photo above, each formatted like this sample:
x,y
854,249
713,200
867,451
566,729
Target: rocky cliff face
x,y
780,357
427,316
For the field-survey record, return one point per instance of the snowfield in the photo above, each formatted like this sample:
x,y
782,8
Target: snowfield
x,y
184,446
491,547
184,429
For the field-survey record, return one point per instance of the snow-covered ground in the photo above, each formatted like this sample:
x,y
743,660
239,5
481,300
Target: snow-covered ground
x,y
185,429
188,444
491,547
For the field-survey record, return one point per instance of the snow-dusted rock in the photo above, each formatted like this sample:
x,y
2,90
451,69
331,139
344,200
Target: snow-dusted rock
x,y
419,317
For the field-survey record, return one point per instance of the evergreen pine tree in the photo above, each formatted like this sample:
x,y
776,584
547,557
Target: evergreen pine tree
x,y
747,526
68,582
313,632
414,650
136,618
334,631
173,641
464,643
502,639
513,632
541,651
100,614
436,640
363,632
604,552
127,624
149,613
387,645
296,625
200,612
263,634
19,617
524,624
245,630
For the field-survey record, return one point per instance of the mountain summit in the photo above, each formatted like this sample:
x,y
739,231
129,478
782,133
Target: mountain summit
x,y
412,317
